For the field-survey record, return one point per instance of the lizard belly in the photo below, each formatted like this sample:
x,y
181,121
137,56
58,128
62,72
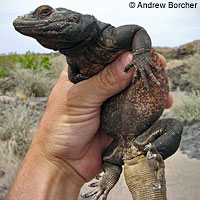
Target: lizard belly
x,y
135,109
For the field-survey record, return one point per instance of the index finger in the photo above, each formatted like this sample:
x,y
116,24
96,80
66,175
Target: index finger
x,y
163,60
170,97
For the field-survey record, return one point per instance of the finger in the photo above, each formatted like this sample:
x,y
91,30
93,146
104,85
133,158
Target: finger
x,y
98,88
110,81
170,97
163,60
169,101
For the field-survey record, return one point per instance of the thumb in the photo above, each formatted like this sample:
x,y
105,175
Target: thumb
x,y
110,81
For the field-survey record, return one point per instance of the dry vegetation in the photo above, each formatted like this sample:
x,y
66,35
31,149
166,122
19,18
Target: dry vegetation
x,y
193,73
19,120
186,105
17,128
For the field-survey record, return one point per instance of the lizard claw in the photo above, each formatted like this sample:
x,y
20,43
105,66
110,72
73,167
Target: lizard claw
x,y
89,194
97,193
156,165
101,189
157,186
95,184
108,181
147,147
98,177
153,156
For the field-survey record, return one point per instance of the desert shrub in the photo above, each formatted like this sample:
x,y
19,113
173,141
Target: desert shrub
x,y
193,72
35,62
33,82
33,74
186,107
190,47
58,64
160,51
3,73
17,127
7,61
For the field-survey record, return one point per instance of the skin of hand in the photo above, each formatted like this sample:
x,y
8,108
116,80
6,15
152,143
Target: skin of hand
x,y
67,148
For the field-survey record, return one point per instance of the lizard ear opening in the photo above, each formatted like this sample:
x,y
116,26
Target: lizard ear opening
x,y
44,11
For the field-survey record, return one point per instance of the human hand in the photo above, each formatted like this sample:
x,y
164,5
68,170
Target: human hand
x,y
67,149
69,130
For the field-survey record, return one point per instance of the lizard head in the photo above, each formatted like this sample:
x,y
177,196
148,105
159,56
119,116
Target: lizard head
x,y
57,29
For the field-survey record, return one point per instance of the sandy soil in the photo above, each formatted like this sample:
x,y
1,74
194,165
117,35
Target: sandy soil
x,y
182,175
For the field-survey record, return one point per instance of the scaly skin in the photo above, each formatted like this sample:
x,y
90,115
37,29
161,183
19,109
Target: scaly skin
x,y
129,117
134,173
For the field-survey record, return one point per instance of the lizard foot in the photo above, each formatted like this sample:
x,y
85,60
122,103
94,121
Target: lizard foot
x,y
156,165
142,62
95,184
97,192
103,187
98,177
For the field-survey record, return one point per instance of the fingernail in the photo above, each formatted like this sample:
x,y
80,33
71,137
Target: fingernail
x,y
124,60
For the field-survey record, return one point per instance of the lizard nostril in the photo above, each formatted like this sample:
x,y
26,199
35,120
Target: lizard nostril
x,y
74,19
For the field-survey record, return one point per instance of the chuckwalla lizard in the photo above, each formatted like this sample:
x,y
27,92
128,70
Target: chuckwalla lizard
x,y
130,117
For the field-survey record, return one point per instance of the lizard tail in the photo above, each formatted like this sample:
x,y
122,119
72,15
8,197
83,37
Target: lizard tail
x,y
139,179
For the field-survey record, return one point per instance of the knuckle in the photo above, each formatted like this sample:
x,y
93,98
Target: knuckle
x,y
108,79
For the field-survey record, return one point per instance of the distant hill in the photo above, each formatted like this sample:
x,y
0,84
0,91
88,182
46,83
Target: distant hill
x,y
179,52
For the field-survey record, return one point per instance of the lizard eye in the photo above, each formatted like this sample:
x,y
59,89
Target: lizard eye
x,y
44,11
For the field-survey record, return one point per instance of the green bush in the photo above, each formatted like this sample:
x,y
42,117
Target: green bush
x,y
33,82
3,73
35,62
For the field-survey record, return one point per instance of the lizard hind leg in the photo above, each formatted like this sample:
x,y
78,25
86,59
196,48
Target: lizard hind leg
x,y
165,134
159,142
75,76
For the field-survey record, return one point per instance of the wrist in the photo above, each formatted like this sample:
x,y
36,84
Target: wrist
x,y
43,179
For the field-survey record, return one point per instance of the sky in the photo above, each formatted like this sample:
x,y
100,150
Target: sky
x,y
166,26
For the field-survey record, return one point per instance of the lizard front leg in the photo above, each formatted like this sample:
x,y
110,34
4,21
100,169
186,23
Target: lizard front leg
x,y
142,60
112,169
135,38
75,76
160,142
165,134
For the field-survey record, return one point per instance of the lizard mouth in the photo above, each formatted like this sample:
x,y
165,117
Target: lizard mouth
x,y
31,28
